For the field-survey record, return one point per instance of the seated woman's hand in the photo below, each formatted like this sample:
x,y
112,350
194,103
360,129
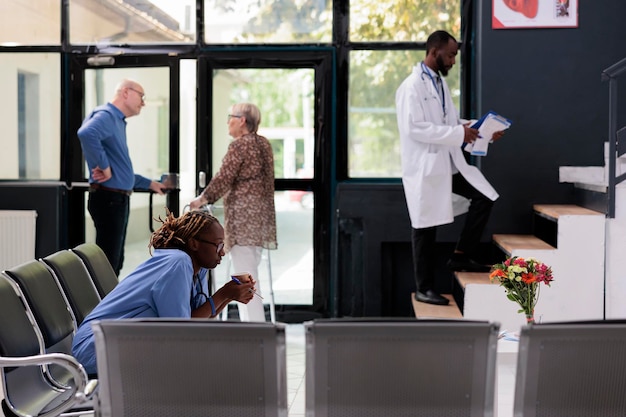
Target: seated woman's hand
x,y
242,292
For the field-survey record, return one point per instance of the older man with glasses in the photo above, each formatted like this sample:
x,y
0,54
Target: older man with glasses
x,y
111,175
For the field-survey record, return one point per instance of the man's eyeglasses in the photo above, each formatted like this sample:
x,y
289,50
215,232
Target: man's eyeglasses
x,y
219,246
141,94
230,116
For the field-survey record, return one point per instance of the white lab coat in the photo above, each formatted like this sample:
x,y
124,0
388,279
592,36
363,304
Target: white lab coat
x,y
431,151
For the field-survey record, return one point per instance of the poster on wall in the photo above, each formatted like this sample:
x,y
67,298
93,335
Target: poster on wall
x,y
521,14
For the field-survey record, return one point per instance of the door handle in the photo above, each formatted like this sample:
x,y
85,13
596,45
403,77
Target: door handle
x,y
202,180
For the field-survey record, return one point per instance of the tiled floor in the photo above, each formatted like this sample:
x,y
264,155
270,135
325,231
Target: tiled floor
x,y
295,369
295,339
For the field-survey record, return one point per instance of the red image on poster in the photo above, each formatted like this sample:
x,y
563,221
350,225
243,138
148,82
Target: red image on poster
x,y
518,14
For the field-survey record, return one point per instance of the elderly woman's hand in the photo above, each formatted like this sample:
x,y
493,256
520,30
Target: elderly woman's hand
x,y
197,202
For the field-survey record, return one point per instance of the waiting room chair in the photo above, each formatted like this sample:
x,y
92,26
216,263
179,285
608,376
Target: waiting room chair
x,y
50,309
571,369
74,280
99,267
27,391
191,368
373,368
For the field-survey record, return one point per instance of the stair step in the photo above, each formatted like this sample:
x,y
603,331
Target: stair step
x,y
554,211
508,243
429,311
462,280
466,278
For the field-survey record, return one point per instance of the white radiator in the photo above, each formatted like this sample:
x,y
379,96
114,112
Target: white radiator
x,y
17,237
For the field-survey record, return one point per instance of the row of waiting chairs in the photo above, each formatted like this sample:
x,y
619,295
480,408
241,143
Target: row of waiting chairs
x,y
166,367
42,303
430,368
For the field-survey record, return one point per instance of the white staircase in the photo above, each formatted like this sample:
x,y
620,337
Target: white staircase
x,y
596,178
577,258
585,250
586,256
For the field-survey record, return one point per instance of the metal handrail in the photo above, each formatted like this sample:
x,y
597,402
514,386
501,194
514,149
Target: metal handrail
x,y
611,74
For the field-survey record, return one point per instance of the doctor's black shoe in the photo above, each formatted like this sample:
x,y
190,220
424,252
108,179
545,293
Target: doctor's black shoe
x,y
462,262
431,297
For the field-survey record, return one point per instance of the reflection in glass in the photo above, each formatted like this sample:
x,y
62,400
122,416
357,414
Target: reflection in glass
x,y
30,22
266,21
373,141
112,22
402,21
31,137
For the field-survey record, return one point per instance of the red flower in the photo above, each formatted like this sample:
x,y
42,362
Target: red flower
x,y
528,278
497,273
521,262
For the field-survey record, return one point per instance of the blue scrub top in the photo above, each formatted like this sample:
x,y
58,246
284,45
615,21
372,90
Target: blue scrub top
x,y
162,286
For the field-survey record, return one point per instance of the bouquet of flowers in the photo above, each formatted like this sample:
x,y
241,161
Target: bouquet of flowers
x,y
521,278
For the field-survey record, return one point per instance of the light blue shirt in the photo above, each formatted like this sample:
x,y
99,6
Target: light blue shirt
x,y
162,286
103,140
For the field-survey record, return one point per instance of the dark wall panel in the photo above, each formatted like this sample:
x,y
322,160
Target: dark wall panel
x,y
547,81
374,268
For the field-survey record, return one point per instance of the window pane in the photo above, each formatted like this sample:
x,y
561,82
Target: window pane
x,y
268,21
30,119
109,22
28,22
402,21
285,99
373,138
188,149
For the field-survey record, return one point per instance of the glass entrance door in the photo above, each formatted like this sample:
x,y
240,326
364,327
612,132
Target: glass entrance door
x,y
285,98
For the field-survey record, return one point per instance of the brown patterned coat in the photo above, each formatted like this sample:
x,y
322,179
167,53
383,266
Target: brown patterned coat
x,y
246,181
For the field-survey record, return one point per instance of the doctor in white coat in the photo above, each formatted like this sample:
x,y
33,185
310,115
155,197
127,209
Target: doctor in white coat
x,y
433,165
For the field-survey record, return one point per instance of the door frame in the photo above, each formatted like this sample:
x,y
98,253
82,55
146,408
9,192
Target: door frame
x,y
72,163
322,61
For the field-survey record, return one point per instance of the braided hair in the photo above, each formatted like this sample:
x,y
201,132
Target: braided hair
x,y
176,231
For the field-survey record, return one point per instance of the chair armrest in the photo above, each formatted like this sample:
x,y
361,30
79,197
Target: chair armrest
x,y
82,390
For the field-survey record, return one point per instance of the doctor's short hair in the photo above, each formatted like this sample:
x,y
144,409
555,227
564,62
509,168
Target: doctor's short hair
x,y
438,39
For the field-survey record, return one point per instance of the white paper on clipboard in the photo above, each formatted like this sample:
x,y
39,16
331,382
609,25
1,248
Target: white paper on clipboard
x,y
487,125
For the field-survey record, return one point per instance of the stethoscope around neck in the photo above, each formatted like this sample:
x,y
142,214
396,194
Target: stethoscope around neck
x,y
440,91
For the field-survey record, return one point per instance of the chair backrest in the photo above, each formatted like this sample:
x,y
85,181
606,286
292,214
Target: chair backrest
x,y
99,267
571,369
400,368
27,392
50,308
190,368
74,280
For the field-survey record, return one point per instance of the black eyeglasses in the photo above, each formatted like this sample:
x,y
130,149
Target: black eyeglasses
x,y
230,116
141,95
219,246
